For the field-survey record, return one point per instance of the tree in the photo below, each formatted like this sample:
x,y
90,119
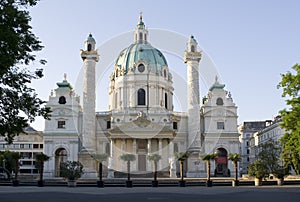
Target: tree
x,y
290,84
181,157
72,170
128,158
235,158
14,158
259,170
40,159
270,155
155,158
19,103
101,158
208,158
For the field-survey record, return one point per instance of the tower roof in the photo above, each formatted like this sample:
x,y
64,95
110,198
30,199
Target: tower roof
x,y
64,83
217,86
90,38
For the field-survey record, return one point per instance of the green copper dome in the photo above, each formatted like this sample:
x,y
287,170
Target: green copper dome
x,y
141,51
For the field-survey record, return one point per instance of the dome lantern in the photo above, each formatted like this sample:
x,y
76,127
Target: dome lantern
x,y
140,33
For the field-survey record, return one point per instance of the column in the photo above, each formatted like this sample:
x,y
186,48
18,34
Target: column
x,y
160,153
111,160
134,166
172,160
149,163
124,165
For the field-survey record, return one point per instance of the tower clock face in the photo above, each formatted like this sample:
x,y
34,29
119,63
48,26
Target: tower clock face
x,y
141,68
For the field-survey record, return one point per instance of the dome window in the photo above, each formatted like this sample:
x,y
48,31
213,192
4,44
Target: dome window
x,y
62,100
165,73
141,68
220,101
141,97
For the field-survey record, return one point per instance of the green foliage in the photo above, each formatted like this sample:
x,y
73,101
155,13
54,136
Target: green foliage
x,y
208,157
128,157
154,157
19,103
181,156
290,84
270,155
101,157
258,169
72,170
40,158
234,157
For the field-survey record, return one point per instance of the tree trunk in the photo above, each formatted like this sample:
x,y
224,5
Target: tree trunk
x,y
100,171
155,171
41,171
208,170
181,170
128,170
235,171
16,169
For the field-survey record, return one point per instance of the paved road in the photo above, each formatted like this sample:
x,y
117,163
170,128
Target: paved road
x,y
144,194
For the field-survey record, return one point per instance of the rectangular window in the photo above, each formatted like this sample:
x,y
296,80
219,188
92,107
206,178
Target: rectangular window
x,y
35,146
41,146
108,124
220,126
175,125
27,146
61,124
248,151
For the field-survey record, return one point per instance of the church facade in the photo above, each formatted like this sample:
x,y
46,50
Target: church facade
x,y
140,119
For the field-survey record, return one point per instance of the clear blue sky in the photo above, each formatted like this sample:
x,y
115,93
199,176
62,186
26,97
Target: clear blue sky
x,y
250,42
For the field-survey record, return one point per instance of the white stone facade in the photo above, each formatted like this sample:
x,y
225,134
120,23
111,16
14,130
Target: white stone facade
x,y
140,117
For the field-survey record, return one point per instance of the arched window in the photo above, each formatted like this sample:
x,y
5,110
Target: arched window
x,y
165,73
62,100
192,48
220,101
117,73
116,100
145,37
141,97
89,48
141,36
166,100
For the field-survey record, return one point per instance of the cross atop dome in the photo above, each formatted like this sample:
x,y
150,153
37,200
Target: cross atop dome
x,y
141,24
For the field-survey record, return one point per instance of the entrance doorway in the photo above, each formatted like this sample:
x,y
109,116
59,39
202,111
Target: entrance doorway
x,y
142,162
222,163
60,157
142,152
